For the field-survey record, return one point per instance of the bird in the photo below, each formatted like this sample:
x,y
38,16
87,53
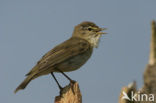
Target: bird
x,y
67,56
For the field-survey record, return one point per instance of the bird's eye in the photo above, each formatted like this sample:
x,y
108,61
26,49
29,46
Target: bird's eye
x,y
90,29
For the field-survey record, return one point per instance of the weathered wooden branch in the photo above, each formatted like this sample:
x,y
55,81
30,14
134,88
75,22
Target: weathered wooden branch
x,y
127,90
149,86
152,56
69,94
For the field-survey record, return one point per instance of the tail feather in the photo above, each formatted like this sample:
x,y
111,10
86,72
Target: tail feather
x,y
31,71
24,83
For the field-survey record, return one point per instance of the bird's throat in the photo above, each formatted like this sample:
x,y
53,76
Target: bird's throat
x,y
94,40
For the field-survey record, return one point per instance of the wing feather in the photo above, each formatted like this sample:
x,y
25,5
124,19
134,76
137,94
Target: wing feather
x,y
60,53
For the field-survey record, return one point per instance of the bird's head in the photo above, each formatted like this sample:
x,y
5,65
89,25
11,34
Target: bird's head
x,y
89,31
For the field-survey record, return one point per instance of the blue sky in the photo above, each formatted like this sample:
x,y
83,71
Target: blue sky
x,y
30,28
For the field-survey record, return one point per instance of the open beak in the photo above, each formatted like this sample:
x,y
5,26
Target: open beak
x,y
101,29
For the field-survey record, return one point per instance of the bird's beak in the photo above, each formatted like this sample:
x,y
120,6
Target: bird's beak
x,y
101,29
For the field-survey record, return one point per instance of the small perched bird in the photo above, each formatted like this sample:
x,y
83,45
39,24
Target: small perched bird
x,y
69,55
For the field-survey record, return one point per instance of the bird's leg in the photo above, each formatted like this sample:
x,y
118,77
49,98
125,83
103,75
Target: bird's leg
x,y
56,81
72,81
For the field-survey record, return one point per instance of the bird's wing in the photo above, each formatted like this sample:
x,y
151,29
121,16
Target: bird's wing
x,y
62,52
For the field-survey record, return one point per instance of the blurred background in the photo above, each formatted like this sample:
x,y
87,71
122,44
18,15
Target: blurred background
x,y
30,28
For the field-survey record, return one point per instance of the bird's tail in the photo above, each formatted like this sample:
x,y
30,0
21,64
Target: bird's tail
x,y
24,83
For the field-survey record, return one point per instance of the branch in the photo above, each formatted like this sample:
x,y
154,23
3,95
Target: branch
x,y
152,56
127,90
69,94
149,86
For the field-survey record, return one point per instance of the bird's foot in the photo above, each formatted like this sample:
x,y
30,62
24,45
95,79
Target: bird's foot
x,y
72,82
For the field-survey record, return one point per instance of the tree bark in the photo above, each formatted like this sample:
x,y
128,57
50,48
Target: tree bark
x,y
69,94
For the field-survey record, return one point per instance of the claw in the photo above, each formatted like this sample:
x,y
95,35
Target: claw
x,y
72,85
